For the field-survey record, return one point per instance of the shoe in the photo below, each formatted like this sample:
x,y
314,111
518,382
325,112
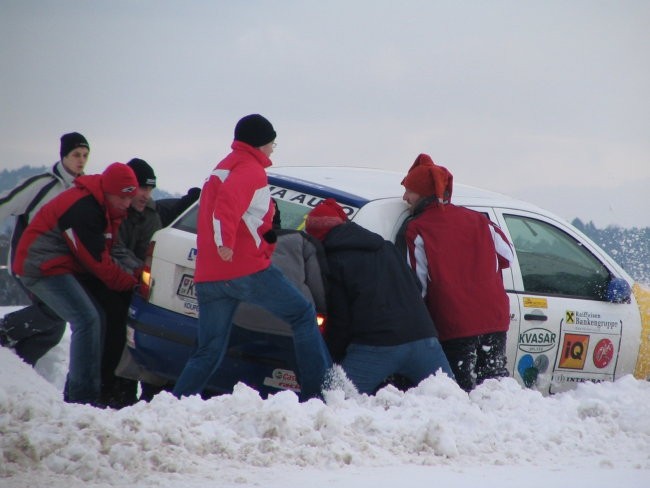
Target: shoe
x,y
336,380
5,338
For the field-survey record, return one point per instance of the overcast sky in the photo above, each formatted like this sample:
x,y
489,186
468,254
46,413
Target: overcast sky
x,y
547,101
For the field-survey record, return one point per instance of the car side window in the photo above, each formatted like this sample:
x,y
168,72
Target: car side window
x,y
554,263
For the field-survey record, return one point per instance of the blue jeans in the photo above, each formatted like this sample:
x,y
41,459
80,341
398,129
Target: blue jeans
x,y
70,301
368,366
271,290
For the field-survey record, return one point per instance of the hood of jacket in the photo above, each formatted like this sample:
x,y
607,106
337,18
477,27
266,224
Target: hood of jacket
x,y
351,236
92,183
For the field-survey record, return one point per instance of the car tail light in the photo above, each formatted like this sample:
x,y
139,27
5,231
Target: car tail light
x,y
321,320
146,281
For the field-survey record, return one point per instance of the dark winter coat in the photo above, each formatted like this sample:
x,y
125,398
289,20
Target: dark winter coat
x,y
373,295
138,228
298,257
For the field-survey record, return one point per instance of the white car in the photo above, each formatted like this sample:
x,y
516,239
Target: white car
x,y
574,314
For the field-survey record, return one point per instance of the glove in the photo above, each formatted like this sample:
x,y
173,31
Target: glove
x,y
270,236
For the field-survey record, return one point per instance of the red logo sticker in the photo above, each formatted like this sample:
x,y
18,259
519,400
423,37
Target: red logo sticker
x,y
603,353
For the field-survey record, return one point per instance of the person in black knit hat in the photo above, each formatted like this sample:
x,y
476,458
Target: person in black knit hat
x,y
35,329
70,142
135,233
143,172
234,264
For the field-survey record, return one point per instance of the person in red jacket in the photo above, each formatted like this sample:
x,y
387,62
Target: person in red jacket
x,y
235,241
457,255
68,239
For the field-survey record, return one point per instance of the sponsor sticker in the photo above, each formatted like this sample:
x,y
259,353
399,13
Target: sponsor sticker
x,y
535,302
537,340
304,199
582,321
603,353
283,379
191,255
574,351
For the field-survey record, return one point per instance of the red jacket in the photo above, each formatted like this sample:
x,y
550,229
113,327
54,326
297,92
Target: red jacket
x,y
235,211
458,255
73,233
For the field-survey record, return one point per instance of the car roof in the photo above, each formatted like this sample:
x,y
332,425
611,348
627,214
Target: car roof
x,y
359,186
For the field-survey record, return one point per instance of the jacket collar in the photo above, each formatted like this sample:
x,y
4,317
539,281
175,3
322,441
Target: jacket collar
x,y
59,172
424,204
259,156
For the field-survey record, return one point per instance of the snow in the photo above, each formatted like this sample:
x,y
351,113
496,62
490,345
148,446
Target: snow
x,y
500,435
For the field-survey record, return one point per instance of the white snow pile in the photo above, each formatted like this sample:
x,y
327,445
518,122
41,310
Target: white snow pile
x,y
603,425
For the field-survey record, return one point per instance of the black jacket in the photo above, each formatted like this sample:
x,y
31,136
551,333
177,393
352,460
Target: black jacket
x,y
373,295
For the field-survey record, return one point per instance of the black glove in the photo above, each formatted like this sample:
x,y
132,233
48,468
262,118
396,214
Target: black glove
x,y
270,236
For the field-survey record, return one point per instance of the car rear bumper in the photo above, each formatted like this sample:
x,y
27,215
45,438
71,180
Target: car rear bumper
x,y
162,341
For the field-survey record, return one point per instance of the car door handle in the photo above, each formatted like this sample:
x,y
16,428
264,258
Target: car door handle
x,y
538,317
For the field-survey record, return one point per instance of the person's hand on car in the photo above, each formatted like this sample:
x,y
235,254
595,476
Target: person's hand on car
x,y
225,253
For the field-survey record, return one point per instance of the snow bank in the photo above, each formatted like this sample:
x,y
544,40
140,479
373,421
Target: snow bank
x,y
436,424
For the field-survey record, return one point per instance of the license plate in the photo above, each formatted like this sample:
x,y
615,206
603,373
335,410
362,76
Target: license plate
x,y
186,287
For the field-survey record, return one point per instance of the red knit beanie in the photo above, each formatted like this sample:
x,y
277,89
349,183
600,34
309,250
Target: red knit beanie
x,y
324,217
118,179
426,179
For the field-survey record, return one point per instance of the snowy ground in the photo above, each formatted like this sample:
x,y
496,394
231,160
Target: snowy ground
x,y
434,435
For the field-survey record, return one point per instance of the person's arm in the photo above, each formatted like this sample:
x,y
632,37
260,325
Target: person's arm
x,y
417,257
313,274
18,200
337,325
184,203
170,208
233,198
505,255
83,228
123,256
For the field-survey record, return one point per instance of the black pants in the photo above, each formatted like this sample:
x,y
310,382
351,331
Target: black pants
x,y
477,358
116,392
35,328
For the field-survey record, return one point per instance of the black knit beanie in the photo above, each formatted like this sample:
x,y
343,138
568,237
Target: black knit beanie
x,y
143,172
254,130
70,142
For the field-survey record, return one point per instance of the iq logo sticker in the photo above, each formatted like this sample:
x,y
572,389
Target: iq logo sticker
x,y
574,351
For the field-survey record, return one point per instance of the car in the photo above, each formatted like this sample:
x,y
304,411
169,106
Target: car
x,y
574,315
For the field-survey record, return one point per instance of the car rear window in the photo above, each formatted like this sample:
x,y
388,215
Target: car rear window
x,y
188,221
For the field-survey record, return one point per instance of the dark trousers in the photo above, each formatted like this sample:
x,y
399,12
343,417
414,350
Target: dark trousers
x,y
115,391
35,328
477,358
